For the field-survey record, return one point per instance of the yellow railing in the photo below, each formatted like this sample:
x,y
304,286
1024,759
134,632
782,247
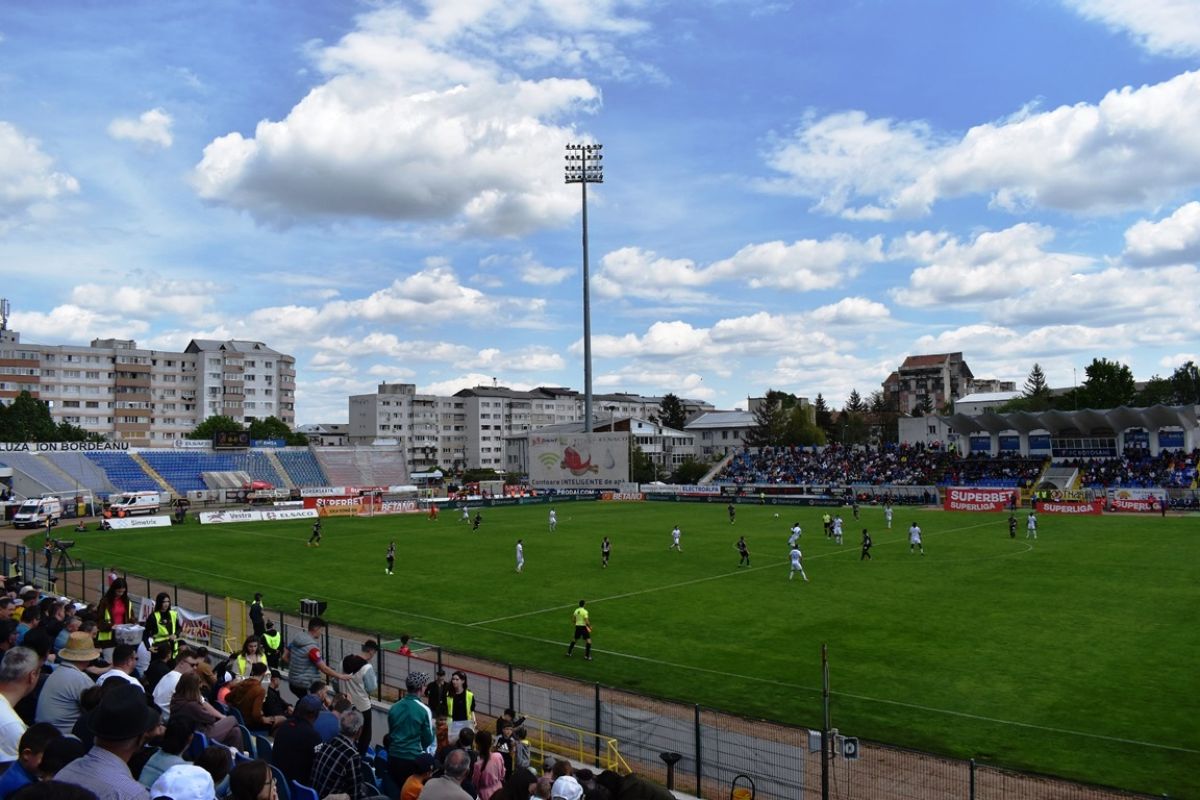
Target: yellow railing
x,y
577,744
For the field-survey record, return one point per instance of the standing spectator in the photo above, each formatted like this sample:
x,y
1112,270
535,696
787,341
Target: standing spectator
x,y
436,694
163,625
120,722
339,766
256,616
305,664
19,674
488,774
449,785
410,729
460,704
115,609
272,644
363,682
59,702
296,740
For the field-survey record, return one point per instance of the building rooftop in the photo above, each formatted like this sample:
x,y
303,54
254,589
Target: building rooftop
x,y
722,419
989,397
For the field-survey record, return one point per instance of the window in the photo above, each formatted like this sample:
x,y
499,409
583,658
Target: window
x,y
92,375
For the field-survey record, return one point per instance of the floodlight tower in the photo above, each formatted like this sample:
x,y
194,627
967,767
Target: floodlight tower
x,y
583,167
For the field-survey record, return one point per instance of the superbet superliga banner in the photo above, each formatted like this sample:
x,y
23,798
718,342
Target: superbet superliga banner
x,y
961,498
1070,507
578,460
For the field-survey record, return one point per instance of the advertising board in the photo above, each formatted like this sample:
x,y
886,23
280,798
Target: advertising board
x,y
578,460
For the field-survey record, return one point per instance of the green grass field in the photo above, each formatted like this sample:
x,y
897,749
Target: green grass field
x,y
1075,655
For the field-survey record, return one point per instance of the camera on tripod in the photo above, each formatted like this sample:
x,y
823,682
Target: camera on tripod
x,y
63,545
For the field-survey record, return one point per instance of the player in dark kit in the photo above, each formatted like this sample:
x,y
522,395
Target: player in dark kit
x,y
475,523
866,547
391,558
1012,526
315,539
744,549
732,513
605,550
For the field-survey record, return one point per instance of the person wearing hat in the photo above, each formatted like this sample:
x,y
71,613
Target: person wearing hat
x,y
566,788
416,782
410,729
185,782
119,724
19,673
297,739
58,703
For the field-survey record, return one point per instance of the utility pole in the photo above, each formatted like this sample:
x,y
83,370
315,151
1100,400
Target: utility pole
x,y
583,167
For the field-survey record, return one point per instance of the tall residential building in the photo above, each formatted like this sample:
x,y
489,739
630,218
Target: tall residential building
x,y
145,397
940,377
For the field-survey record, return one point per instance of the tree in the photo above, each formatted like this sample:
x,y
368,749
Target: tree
x,y
854,403
1158,390
274,428
924,407
66,432
27,420
672,412
799,430
1035,384
1109,384
769,422
1186,385
689,472
213,424
824,415
885,417
642,467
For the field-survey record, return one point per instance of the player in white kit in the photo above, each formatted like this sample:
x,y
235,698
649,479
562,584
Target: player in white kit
x,y
887,515
914,539
837,529
520,555
796,565
553,520
795,537
1031,526
675,534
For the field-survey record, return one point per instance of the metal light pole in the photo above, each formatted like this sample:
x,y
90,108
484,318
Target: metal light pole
x,y
583,167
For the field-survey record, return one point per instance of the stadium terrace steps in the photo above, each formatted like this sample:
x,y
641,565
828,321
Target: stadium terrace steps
x,y
1061,476
33,476
277,465
302,467
225,480
83,471
149,470
340,466
716,470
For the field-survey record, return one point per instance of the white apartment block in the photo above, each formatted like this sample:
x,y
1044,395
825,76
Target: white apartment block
x,y
470,428
144,397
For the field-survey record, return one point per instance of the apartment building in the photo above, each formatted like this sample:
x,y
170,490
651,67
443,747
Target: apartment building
x,y
939,378
146,397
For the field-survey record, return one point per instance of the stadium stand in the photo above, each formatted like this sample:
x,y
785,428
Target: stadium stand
x,y
183,469
1137,469
82,470
896,464
302,467
123,472
39,471
339,466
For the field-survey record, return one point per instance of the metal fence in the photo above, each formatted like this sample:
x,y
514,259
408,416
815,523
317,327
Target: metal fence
x,y
589,722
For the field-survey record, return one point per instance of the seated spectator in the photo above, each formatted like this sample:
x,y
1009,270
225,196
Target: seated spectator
x,y
158,667
189,702
59,702
59,753
274,705
296,740
24,771
248,696
184,782
120,723
449,785
70,625
338,768
19,673
165,688
424,765
174,744
252,780
124,661
26,707
217,761
326,723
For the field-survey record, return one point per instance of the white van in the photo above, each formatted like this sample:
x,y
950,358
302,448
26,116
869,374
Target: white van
x,y
130,503
34,512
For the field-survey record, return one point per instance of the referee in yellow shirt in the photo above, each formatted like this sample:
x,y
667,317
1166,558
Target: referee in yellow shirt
x,y
583,630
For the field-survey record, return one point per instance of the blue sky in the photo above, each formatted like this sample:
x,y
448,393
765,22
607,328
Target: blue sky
x,y
797,194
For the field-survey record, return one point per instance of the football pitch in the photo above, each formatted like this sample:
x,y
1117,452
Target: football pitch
x,y
1075,654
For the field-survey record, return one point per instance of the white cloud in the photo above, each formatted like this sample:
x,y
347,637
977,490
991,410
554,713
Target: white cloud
x,y
70,323
1169,27
27,175
470,380
1134,148
1115,294
541,275
137,294
1169,241
851,311
1171,363
994,265
417,120
661,339
152,127
802,265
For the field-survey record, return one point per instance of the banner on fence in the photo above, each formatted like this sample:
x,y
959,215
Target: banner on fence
x,y
1069,507
961,498
1136,499
120,524
622,496
273,515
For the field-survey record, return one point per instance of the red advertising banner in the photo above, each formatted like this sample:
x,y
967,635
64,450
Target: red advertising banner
x,y
961,498
1135,504
1058,507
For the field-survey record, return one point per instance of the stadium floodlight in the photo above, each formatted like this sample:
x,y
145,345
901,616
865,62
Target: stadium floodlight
x,y
583,167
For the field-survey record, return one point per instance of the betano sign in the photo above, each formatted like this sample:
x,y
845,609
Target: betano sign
x,y
961,498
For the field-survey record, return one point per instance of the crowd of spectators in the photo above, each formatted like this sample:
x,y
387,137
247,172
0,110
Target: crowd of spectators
x,y
94,706
895,464
1135,468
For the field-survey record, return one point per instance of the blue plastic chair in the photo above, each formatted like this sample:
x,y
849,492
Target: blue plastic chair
x,y
248,741
199,742
302,792
262,748
281,785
